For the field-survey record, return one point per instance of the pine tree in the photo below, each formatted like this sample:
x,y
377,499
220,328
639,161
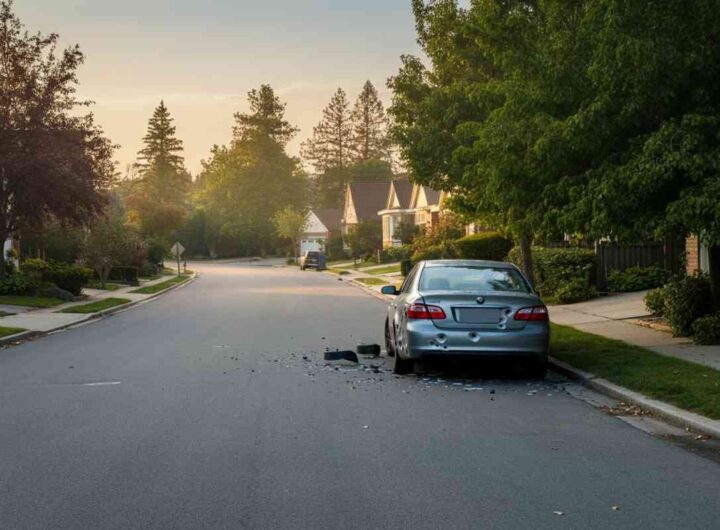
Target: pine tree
x,y
162,148
266,119
329,149
369,127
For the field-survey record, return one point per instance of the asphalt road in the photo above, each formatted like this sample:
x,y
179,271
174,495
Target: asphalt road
x,y
197,410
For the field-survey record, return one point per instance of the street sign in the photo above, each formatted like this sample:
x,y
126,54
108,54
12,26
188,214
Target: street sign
x,y
177,249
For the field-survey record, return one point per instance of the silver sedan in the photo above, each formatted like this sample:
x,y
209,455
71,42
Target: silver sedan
x,y
466,308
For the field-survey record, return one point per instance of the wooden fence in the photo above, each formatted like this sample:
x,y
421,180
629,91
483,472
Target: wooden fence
x,y
612,256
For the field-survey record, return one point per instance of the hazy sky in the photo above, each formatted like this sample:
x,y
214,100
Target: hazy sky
x,y
202,57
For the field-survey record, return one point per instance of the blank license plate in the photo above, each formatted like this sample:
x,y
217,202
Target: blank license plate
x,y
478,315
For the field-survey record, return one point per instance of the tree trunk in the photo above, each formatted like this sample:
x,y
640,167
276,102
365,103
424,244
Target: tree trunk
x,y
714,255
526,241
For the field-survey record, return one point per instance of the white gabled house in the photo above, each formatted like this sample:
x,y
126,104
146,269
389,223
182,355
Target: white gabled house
x,y
322,224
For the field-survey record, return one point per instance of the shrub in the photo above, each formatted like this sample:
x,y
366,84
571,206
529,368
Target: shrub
x,y
391,254
18,284
72,278
485,245
706,330
575,290
441,251
637,279
334,248
406,266
655,301
124,275
556,267
687,299
36,269
156,252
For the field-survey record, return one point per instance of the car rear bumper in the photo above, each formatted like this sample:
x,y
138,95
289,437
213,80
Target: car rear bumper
x,y
426,340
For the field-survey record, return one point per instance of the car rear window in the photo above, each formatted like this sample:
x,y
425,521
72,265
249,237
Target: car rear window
x,y
472,278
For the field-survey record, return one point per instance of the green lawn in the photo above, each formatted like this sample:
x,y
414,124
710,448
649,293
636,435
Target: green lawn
x,y
686,385
94,307
6,314
372,281
152,289
390,269
97,284
4,332
30,301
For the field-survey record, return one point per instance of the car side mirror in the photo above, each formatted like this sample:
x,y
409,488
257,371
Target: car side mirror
x,y
390,290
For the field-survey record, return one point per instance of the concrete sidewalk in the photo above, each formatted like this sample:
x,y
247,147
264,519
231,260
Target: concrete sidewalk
x,y
613,316
48,319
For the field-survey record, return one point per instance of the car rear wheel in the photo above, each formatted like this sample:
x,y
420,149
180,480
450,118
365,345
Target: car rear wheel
x,y
389,348
403,366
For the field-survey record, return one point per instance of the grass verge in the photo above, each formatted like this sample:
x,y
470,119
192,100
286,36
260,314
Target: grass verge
x,y
96,284
390,269
30,301
152,289
4,332
372,281
684,384
94,307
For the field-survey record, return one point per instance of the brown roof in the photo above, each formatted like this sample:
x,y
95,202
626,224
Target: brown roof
x,y
403,190
330,217
369,198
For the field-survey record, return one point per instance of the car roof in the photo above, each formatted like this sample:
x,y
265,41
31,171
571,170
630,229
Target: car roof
x,y
469,262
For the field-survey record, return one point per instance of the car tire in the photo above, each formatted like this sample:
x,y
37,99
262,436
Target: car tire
x,y
389,348
403,366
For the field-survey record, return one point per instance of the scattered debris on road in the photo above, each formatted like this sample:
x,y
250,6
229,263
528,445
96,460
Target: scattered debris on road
x,y
346,355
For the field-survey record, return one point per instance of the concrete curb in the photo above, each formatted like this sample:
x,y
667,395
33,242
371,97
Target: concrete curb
x,y
674,415
29,335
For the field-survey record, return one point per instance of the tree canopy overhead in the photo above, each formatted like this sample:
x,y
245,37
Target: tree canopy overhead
x,y
54,161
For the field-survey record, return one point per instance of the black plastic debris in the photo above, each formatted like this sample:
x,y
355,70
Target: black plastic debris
x,y
341,356
369,349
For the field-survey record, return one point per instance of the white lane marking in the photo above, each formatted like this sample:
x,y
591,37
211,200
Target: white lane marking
x,y
109,383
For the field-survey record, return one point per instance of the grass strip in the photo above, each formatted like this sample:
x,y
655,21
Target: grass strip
x,y
372,281
97,284
152,289
687,385
30,301
5,332
390,269
94,307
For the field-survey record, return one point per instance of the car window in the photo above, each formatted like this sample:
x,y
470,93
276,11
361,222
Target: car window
x,y
405,287
472,278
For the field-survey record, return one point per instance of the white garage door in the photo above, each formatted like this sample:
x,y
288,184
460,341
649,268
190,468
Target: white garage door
x,y
310,245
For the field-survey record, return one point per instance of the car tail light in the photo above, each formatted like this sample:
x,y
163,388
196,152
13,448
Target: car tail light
x,y
425,312
538,313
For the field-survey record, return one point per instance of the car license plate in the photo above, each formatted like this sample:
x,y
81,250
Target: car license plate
x,y
478,315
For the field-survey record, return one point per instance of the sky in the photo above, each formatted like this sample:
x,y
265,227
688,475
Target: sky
x,y
202,57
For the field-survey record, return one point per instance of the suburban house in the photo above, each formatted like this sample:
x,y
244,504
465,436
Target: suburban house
x,y
397,210
363,201
322,224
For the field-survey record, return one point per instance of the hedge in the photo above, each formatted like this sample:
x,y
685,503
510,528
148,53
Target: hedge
x,y
124,275
485,245
565,274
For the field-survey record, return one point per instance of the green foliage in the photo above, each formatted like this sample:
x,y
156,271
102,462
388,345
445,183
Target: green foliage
x,y
369,127
406,232
655,301
566,272
95,307
485,245
109,244
445,250
17,284
365,239
243,185
406,266
637,279
706,330
69,277
392,254
687,299
124,274
156,252
335,248
290,224
371,169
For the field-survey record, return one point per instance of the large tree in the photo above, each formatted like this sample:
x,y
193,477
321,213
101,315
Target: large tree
x,y
244,184
329,150
369,127
54,161
158,199
501,76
